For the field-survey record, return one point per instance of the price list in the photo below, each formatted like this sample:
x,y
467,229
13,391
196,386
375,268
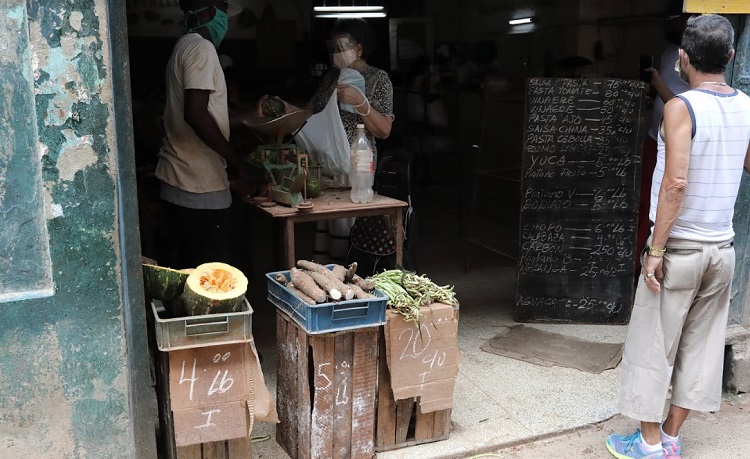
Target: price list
x,y
579,203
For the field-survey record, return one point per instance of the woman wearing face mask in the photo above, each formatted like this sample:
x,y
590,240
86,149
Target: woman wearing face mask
x,y
195,149
352,42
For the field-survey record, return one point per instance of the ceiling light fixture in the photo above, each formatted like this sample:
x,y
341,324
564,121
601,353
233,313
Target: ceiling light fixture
x,y
380,14
348,9
520,21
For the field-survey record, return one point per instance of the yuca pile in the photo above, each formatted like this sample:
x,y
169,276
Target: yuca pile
x,y
408,292
313,283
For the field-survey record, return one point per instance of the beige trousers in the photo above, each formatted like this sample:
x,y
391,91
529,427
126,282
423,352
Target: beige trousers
x,y
678,336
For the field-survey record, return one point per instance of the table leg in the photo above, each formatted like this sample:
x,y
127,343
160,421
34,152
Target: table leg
x,y
289,243
399,237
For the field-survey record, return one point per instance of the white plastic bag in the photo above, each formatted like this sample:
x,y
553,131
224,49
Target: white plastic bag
x,y
324,138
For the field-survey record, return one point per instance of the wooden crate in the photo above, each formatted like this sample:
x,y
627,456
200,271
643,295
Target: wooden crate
x,y
400,422
229,449
325,392
239,448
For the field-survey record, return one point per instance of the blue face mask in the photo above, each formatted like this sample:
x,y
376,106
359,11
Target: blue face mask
x,y
217,27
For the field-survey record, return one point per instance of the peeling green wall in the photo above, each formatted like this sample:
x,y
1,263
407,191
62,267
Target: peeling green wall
x,y
740,78
66,377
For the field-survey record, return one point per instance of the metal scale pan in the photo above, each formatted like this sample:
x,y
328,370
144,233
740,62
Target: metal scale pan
x,y
287,124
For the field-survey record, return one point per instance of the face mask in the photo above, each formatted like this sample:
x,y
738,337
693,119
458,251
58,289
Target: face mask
x,y
344,59
678,69
217,27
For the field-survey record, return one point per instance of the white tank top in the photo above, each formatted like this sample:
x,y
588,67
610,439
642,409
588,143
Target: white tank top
x,y
721,133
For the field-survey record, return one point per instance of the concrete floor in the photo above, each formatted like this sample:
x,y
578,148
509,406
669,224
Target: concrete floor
x,y
499,403
499,400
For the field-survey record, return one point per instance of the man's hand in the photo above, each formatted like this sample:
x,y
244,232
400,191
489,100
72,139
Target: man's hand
x,y
652,272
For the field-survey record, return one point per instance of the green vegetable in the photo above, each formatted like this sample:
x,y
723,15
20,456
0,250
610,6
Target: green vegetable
x,y
273,107
163,283
407,292
313,188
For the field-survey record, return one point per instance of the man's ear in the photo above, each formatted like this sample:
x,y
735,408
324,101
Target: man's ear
x,y
684,58
731,55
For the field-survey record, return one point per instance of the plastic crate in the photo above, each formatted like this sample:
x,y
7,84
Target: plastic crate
x,y
201,331
327,317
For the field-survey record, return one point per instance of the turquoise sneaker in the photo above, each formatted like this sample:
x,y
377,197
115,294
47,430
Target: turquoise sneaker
x,y
672,449
630,447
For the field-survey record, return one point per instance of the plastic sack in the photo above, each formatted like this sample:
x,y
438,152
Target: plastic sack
x,y
324,138
355,79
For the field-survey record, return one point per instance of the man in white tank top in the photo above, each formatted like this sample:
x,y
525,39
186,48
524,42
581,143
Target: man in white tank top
x,y
678,324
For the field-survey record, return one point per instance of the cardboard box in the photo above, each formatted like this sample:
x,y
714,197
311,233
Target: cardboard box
x,y
210,424
423,360
216,393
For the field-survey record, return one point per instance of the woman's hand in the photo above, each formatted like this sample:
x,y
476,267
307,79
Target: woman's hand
x,y
348,94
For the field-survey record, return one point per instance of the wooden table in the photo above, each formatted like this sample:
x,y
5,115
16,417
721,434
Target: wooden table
x,y
331,204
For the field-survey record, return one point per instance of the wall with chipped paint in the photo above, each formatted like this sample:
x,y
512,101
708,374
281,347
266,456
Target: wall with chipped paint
x,y
66,370
740,78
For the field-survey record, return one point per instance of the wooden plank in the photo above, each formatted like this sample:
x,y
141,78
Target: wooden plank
x,y
286,380
364,377
424,423
386,423
717,6
189,452
441,427
215,450
293,379
239,448
321,429
281,359
303,395
342,409
404,410
329,205
166,425
289,246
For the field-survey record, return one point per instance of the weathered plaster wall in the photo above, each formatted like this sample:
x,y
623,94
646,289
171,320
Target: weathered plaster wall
x,y
63,369
740,78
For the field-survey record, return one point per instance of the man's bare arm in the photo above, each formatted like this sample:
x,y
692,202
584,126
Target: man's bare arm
x,y
678,128
198,117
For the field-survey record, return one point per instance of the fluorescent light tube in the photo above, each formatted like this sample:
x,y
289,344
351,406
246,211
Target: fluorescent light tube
x,y
380,14
342,9
519,21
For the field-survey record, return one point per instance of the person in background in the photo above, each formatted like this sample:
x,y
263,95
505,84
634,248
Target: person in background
x,y
667,84
195,150
352,43
678,326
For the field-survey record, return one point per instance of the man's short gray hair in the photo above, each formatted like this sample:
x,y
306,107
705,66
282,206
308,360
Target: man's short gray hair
x,y
708,42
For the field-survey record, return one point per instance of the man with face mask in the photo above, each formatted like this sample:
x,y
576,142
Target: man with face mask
x,y
195,150
677,330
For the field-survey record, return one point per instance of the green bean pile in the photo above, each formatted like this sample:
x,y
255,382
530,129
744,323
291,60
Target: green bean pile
x,y
407,292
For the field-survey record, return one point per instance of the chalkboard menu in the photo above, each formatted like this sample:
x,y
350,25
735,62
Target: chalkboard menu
x,y
579,205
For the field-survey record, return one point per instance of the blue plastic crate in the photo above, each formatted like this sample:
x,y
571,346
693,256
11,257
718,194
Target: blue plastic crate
x,y
327,317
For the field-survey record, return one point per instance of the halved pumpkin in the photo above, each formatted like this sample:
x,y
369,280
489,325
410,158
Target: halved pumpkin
x,y
214,288
165,284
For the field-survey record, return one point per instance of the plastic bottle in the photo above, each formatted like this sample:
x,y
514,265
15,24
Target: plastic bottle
x,y
362,172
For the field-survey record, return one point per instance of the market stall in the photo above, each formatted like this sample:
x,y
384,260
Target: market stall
x,y
372,373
